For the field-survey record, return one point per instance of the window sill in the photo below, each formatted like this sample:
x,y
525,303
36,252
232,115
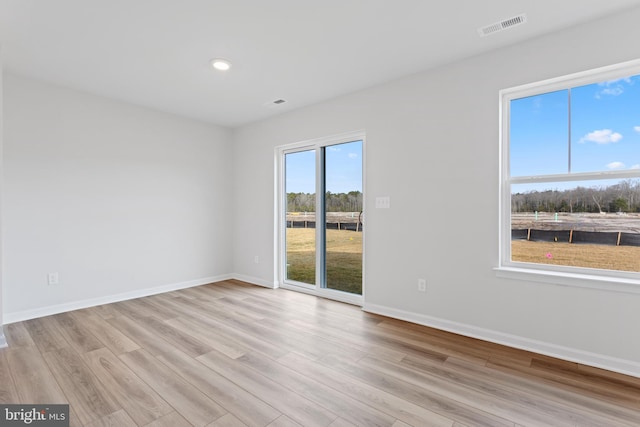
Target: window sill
x,y
611,284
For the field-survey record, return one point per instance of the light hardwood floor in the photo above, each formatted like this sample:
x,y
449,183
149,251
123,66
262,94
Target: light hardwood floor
x,y
232,354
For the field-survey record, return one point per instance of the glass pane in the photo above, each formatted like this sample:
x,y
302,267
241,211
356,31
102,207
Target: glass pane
x,y
592,224
539,134
300,188
343,203
605,126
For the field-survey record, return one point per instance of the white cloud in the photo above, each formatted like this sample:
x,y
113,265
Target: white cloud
x,y
353,155
635,167
334,148
603,136
537,103
615,165
613,91
636,128
613,87
612,82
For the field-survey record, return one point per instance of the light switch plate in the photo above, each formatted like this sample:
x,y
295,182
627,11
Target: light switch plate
x,y
383,202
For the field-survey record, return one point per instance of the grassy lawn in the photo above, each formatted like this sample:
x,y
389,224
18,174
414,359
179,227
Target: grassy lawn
x,y
624,258
344,258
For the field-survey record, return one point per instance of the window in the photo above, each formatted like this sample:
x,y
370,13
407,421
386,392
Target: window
x,y
570,179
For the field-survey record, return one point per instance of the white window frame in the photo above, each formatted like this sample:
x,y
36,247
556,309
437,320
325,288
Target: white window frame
x,y
610,280
281,212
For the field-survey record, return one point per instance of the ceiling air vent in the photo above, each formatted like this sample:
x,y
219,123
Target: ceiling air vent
x,y
502,25
275,103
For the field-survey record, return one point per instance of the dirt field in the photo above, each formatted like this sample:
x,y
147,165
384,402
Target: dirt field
x,y
345,217
629,223
344,258
624,258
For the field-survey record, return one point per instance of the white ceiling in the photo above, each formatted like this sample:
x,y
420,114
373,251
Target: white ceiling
x,y
156,52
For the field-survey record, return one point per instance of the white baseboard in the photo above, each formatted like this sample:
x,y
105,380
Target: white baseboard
x,y
19,316
3,340
623,366
254,280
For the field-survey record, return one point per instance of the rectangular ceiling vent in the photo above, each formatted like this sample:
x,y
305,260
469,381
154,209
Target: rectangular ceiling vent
x,y
502,25
275,103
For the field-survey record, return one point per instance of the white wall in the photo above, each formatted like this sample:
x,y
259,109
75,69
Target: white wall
x,y
430,137
118,199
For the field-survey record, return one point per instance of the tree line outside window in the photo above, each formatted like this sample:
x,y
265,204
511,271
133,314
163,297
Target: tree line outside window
x,y
335,202
622,197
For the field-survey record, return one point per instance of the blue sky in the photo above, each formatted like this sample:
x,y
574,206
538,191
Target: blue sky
x,y
343,169
605,130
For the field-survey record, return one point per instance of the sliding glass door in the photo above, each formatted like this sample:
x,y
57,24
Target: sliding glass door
x,y
343,216
300,188
322,216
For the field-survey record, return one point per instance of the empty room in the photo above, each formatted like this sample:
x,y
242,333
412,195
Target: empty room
x,y
337,213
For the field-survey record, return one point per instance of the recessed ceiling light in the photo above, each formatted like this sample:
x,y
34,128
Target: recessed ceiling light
x,y
220,64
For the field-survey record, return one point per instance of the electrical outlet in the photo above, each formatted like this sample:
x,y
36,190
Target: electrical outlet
x,y
256,259
422,285
53,279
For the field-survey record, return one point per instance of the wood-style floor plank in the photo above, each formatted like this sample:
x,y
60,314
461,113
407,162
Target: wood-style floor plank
x,y
341,422
32,377
117,419
563,404
467,390
46,334
418,392
225,392
145,307
77,334
300,409
106,311
588,404
234,354
8,392
17,335
228,420
163,312
89,398
284,421
174,419
185,342
190,402
327,397
110,337
603,388
133,310
141,336
343,338
368,394
230,329
139,400
209,337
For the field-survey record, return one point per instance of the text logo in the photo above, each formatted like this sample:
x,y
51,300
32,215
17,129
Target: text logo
x,y
34,415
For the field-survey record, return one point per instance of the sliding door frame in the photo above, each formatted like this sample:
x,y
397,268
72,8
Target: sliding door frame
x,y
281,211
